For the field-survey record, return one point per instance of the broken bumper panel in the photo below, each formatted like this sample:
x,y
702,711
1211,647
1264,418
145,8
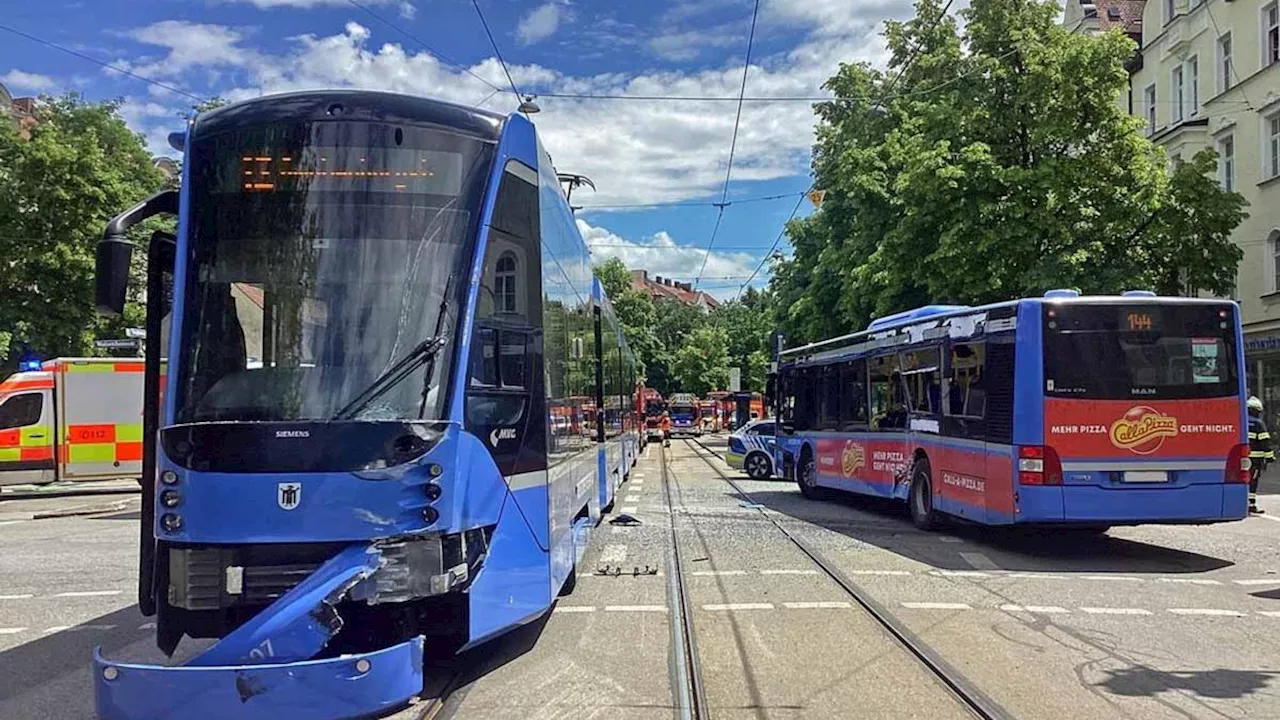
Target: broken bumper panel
x,y
351,686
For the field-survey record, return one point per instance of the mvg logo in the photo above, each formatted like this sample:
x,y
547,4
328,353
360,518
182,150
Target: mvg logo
x,y
500,434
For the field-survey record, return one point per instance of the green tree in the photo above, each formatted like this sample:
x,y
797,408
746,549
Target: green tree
x,y
635,311
701,363
80,166
747,322
998,165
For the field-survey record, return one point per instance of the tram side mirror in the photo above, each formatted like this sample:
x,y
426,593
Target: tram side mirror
x,y
111,272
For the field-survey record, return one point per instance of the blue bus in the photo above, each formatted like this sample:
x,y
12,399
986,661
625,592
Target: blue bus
x,y
381,321
1071,411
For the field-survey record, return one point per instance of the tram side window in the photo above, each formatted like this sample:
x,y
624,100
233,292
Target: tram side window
x,y
885,394
966,392
828,397
922,375
853,394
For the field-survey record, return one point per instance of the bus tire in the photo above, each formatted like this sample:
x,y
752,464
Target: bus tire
x,y
807,477
758,466
920,497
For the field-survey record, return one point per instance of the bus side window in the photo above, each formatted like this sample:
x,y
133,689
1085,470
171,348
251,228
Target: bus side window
x,y
828,397
966,393
805,412
853,394
885,399
921,371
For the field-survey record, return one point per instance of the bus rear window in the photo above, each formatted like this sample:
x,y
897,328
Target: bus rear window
x,y
1121,352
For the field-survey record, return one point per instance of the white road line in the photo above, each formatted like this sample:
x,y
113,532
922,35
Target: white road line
x,y
788,572
637,485
874,572
1112,578
936,606
1206,611
832,604
716,607
1272,518
1115,611
1269,613
949,539
1037,576
1258,581
619,529
1189,581
11,631
573,609
978,561
632,498
635,608
959,573
1043,609
613,554
56,628
89,593
94,627
716,573
630,509
147,626
12,522
16,597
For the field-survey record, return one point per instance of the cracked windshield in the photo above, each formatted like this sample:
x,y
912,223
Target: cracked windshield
x,y
706,359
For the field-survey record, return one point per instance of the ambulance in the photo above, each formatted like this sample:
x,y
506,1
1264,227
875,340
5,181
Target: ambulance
x,y
73,419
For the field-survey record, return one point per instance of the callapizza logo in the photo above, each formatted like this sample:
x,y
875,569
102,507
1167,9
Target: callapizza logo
x,y
1143,430
852,458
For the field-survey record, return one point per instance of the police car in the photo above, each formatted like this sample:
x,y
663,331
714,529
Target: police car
x,y
751,449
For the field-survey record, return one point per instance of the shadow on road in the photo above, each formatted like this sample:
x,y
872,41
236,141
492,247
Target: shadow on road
x,y
1220,684
43,661
885,524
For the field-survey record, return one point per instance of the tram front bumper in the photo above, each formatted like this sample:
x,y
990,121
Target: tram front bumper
x,y
266,667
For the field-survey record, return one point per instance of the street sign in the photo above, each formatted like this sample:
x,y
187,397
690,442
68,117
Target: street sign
x,y
137,333
735,379
117,344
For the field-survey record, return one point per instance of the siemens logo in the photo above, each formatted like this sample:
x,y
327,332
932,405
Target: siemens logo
x,y
293,433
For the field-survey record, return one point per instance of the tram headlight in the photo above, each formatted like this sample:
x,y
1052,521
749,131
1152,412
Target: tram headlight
x,y
169,477
430,514
171,522
434,470
433,491
170,498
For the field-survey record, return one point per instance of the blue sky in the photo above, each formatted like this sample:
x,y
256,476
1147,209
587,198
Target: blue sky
x,y
636,151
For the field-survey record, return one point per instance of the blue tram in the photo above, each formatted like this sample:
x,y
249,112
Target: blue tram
x,y
396,401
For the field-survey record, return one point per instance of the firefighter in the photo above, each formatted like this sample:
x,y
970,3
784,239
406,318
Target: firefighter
x,y
1260,450
665,425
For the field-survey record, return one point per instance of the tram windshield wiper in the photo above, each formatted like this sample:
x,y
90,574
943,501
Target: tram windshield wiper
x,y
392,376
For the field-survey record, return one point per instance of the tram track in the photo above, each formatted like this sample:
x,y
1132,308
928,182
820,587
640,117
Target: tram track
x,y
969,696
686,673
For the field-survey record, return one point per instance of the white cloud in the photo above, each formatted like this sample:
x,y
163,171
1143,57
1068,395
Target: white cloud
x,y
834,17
689,44
190,45
540,23
304,4
16,79
661,255
407,10
154,120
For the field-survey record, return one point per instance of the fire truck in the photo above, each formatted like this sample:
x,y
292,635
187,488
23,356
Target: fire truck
x,y
653,409
73,419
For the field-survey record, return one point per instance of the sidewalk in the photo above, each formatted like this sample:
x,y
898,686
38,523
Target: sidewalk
x,y
122,486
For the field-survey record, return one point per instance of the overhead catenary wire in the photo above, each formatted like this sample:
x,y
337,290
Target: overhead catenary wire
x,y
494,44
733,143
691,203
428,48
100,63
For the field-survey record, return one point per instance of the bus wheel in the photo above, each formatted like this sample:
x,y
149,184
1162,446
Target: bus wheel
x,y
808,479
757,466
920,499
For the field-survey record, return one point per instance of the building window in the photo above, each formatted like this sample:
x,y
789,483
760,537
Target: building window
x,y
1225,70
1149,102
1176,93
1271,155
1170,10
504,290
1270,34
1273,253
1193,85
1227,162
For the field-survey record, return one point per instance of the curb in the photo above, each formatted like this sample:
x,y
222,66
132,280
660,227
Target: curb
x,y
81,510
69,492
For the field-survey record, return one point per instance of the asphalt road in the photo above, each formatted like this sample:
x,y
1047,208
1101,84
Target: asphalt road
x,y
1146,622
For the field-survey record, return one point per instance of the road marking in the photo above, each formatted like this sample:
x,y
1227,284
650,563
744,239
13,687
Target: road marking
x,y
1033,608
1206,611
1259,581
1115,611
1112,578
833,604
1272,518
573,609
959,573
16,597
978,561
628,510
635,608
1189,581
11,631
89,593
874,572
619,529
949,539
56,628
638,485
12,522
613,554
1038,576
147,626
632,498
788,572
935,606
1269,613
94,627
717,573
714,607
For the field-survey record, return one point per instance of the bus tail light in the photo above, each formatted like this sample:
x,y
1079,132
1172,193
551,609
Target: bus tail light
x,y
1238,464
1039,465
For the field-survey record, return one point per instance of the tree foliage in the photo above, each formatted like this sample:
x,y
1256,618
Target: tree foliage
x,y
998,166
80,166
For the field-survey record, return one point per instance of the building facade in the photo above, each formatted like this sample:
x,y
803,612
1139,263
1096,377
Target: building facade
x,y
660,288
